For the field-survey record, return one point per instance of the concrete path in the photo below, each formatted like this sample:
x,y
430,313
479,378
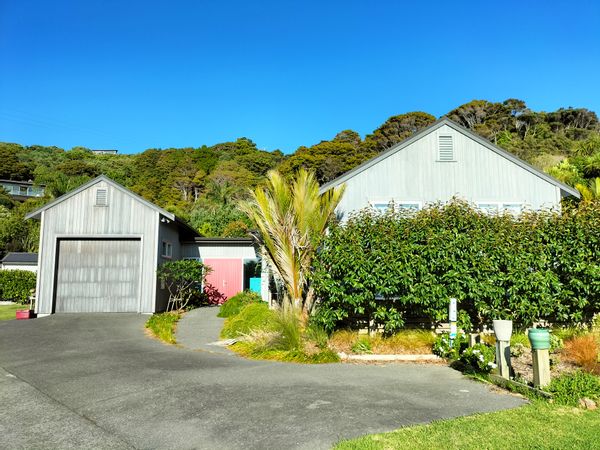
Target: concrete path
x,y
199,329
97,381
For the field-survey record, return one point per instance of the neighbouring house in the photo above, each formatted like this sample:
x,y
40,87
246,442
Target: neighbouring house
x,y
22,190
444,161
100,246
20,261
105,152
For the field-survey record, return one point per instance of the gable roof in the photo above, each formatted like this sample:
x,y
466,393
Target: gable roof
x,y
434,126
36,214
20,258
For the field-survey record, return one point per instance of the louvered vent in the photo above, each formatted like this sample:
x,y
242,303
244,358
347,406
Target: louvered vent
x,y
101,197
446,149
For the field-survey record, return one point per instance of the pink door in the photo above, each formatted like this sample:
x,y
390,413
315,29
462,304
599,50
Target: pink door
x,y
225,280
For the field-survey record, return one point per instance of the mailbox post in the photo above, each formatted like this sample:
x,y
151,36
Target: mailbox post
x,y
452,319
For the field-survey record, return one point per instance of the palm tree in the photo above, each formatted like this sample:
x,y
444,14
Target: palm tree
x,y
292,218
591,191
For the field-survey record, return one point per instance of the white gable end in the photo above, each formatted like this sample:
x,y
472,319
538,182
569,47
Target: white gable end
x,y
442,164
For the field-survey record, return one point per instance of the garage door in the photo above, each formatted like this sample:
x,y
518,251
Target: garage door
x,y
98,275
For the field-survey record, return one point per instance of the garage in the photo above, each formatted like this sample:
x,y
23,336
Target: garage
x,y
98,275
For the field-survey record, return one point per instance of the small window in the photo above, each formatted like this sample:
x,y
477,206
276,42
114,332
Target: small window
x,y
167,250
513,208
445,149
488,208
101,197
403,206
380,206
409,206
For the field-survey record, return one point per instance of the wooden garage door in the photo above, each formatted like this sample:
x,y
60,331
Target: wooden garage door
x,y
98,275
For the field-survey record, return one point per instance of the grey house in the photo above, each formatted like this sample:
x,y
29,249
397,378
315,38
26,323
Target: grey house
x,y
100,246
444,161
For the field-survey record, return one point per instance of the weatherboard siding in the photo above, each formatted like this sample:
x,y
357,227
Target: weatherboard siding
x,y
77,218
414,174
221,250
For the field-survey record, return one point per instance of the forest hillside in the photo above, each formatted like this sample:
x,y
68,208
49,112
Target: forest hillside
x,y
203,184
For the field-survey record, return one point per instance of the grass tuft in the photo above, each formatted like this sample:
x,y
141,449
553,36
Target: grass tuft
x,y
235,304
252,317
163,326
583,351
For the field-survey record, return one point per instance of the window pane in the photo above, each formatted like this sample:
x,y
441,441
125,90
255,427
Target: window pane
x,y
409,206
512,207
381,207
488,208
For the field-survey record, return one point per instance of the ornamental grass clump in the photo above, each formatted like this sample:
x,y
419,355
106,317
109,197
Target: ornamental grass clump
x,y
234,305
583,351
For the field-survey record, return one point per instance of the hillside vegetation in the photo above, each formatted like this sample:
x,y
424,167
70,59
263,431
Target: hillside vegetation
x,y
203,185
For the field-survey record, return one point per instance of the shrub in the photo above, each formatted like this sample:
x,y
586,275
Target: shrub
x,y
254,316
583,351
520,339
480,357
235,304
16,285
567,389
362,345
443,348
183,278
387,267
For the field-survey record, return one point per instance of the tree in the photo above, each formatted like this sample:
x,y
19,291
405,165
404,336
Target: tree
x,y
397,128
184,279
590,191
292,218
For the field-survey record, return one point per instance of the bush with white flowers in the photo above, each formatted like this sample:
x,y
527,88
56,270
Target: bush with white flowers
x,y
480,357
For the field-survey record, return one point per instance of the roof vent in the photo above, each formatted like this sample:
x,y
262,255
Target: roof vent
x,y
101,197
445,149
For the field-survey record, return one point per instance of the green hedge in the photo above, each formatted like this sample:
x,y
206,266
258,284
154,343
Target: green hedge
x,y
386,266
16,285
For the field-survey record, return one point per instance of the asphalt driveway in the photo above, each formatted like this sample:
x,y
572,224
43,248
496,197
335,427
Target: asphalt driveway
x,y
96,381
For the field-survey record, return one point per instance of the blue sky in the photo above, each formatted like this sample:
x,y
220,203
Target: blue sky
x,y
133,75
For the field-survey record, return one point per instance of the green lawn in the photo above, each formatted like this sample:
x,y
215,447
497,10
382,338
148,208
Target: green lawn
x,y
539,425
7,312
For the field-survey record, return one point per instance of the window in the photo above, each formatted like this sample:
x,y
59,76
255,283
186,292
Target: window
x,y
409,206
488,208
445,149
380,206
101,197
167,249
402,206
500,207
513,208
